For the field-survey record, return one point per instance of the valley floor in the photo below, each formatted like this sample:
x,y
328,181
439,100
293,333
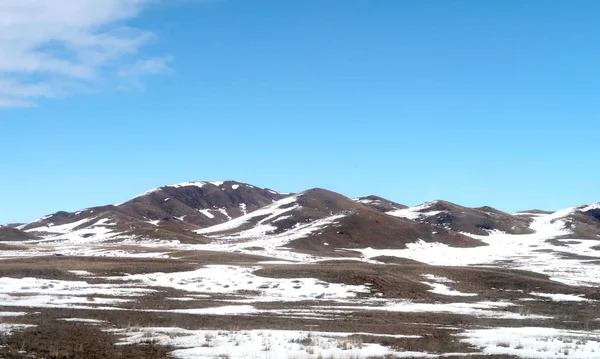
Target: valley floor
x,y
163,300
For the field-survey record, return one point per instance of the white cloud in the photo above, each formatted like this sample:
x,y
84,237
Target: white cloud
x,y
53,48
152,66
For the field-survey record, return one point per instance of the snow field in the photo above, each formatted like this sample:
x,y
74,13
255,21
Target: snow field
x,y
535,342
260,344
531,252
223,279
478,309
38,293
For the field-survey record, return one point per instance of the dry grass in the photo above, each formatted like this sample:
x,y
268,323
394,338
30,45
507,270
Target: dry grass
x,y
56,340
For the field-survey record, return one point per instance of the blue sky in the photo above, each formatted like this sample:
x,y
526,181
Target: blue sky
x,y
476,102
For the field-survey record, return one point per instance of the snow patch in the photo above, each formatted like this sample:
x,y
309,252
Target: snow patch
x,y
417,212
561,297
187,184
9,328
271,211
63,228
224,212
222,279
439,287
12,314
80,272
84,320
478,309
591,207
535,342
206,212
37,293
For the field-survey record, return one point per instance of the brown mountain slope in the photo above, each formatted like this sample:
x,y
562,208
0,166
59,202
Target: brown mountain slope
x,y
169,212
321,220
362,226
583,221
464,219
8,234
201,203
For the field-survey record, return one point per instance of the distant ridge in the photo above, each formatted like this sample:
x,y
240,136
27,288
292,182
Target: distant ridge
x,y
316,220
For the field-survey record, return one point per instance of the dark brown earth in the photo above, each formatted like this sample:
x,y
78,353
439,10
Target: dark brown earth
x,y
9,247
58,267
9,234
53,339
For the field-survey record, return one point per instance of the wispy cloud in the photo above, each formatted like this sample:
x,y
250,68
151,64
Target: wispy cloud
x,y
54,48
151,66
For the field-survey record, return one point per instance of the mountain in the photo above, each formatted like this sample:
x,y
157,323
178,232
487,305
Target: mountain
x,y
581,221
379,204
325,221
169,212
201,203
478,221
316,221
8,234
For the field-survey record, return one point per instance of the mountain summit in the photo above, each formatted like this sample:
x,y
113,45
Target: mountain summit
x,y
167,212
